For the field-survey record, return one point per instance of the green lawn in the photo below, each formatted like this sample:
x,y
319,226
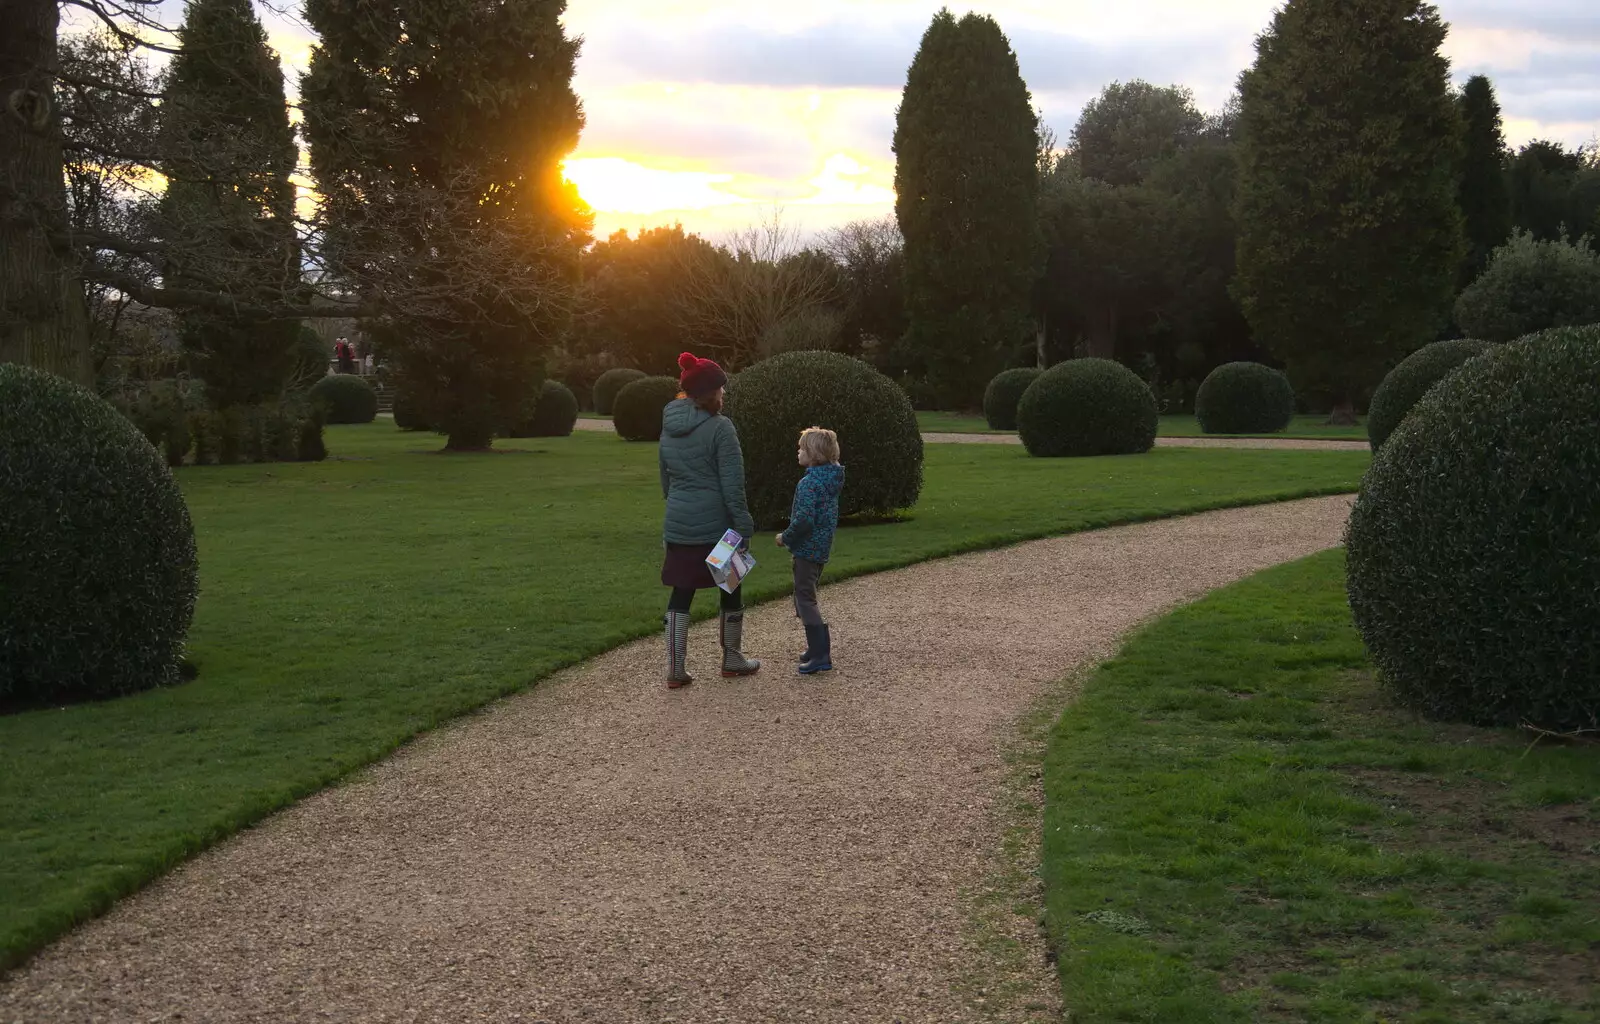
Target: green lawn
x,y
1239,827
351,604
1310,427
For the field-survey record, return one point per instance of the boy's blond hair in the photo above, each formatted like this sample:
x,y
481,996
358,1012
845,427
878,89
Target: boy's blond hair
x,y
821,444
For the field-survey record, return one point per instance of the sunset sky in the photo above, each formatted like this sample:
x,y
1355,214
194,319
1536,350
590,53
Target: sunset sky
x,y
708,112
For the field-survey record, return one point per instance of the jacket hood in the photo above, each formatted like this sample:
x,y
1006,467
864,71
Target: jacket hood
x,y
830,476
682,417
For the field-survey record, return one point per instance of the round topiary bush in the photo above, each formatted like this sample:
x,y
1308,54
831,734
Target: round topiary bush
x,y
1410,380
636,413
880,444
345,398
1000,398
609,384
1087,407
408,413
1244,398
1474,548
97,561
554,414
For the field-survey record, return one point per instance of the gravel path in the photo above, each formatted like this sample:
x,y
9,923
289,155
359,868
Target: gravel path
x,y
600,849
1162,442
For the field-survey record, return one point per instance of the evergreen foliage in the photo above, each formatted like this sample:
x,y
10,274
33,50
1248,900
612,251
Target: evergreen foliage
x,y
1484,196
1350,233
227,213
97,568
1087,407
1130,128
311,358
439,127
880,443
309,445
1412,379
408,414
1141,271
611,382
966,183
636,413
1244,398
637,294
1532,285
1000,398
1473,568
1555,192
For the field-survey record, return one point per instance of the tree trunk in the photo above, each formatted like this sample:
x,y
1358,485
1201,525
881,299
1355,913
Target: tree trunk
x,y
43,320
1040,336
1102,337
1344,413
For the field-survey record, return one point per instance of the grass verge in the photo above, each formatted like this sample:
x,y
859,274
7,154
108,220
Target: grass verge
x,y
1312,428
1239,827
349,605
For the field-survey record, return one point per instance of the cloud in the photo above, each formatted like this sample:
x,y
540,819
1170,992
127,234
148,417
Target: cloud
x,y
1571,20
755,100
840,55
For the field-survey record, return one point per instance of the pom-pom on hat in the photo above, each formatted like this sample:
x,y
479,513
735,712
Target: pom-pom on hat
x,y
700,376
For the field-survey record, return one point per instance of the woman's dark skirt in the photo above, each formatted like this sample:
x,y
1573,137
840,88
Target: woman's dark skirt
x,y
685,566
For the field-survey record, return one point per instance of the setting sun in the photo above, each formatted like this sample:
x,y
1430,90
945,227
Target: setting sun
x,y
613,185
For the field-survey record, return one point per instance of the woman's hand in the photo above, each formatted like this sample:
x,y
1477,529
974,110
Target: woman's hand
x,y
780,540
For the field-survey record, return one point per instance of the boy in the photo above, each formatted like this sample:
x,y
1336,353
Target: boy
x,y
809,538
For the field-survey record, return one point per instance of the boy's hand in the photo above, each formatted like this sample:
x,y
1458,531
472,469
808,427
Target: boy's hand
x,y
780,540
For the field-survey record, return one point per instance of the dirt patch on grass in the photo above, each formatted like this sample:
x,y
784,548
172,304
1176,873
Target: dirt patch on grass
x,y
1479,819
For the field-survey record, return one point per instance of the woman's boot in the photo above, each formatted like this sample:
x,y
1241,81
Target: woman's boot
x,y
734,663
678,650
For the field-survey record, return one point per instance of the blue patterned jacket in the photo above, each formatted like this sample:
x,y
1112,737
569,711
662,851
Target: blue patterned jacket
x,y
815,514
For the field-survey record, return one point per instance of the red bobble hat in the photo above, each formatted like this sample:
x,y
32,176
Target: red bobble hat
x,y
700,376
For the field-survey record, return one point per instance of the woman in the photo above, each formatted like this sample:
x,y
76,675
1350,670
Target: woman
x,y
702,478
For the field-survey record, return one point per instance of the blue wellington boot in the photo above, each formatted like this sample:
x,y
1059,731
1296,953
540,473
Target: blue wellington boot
x,y
819,645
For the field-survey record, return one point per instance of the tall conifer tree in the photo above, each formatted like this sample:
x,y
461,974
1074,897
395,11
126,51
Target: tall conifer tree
x,y
967,180
437,131
227,215
1350,233
1485,197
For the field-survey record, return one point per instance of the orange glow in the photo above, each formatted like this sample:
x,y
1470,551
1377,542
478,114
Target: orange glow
x,y
615,185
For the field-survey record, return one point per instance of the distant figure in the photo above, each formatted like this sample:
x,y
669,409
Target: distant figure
x,y
702,478
809,538
346,354
368,364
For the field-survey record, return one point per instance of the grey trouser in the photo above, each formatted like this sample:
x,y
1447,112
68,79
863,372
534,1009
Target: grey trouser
x,y
806,575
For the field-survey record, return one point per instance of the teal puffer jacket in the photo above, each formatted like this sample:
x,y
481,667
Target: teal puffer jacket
x,y
702,476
